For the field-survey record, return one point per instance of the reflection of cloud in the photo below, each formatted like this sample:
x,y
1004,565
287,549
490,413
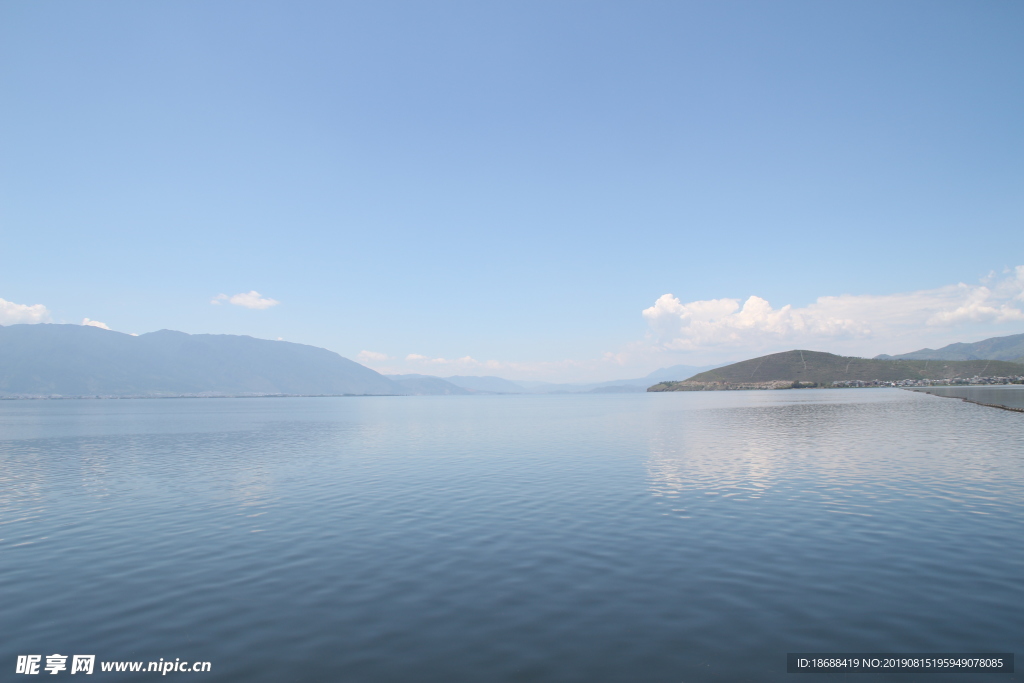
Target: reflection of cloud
x,y
715,444
817,451
253,491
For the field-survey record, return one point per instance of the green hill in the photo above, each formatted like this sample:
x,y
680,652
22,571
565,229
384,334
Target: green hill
x,y
825,368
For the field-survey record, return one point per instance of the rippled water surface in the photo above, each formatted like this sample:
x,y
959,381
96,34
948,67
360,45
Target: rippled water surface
x,y
1009,395
651,537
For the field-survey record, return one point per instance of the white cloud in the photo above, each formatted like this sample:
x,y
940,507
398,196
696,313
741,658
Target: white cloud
x,y
854,321
465,361
14,314
253,300
728,330
94,323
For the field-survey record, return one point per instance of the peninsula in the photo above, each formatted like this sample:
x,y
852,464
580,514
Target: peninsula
x,y
800,368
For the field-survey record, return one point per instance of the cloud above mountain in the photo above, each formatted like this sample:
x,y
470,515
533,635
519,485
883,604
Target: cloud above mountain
x,y
14,314
252,299
727,330
754,324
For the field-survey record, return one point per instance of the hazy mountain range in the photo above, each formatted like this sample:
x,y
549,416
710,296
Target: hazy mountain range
x,y
81,360
457,384
497,385
1009,348
426,385
77,360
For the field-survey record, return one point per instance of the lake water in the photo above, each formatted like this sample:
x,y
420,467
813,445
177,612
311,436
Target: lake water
x,y
1009,395
651,537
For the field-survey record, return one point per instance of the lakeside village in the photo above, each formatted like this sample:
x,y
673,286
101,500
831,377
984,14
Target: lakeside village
x,y
688,385
954,382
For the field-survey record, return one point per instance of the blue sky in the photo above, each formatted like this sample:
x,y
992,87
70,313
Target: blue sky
x,y
544,190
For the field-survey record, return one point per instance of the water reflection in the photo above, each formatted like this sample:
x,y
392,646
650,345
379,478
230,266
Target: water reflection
x,y
611,538
850,451
710,455
1010,396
